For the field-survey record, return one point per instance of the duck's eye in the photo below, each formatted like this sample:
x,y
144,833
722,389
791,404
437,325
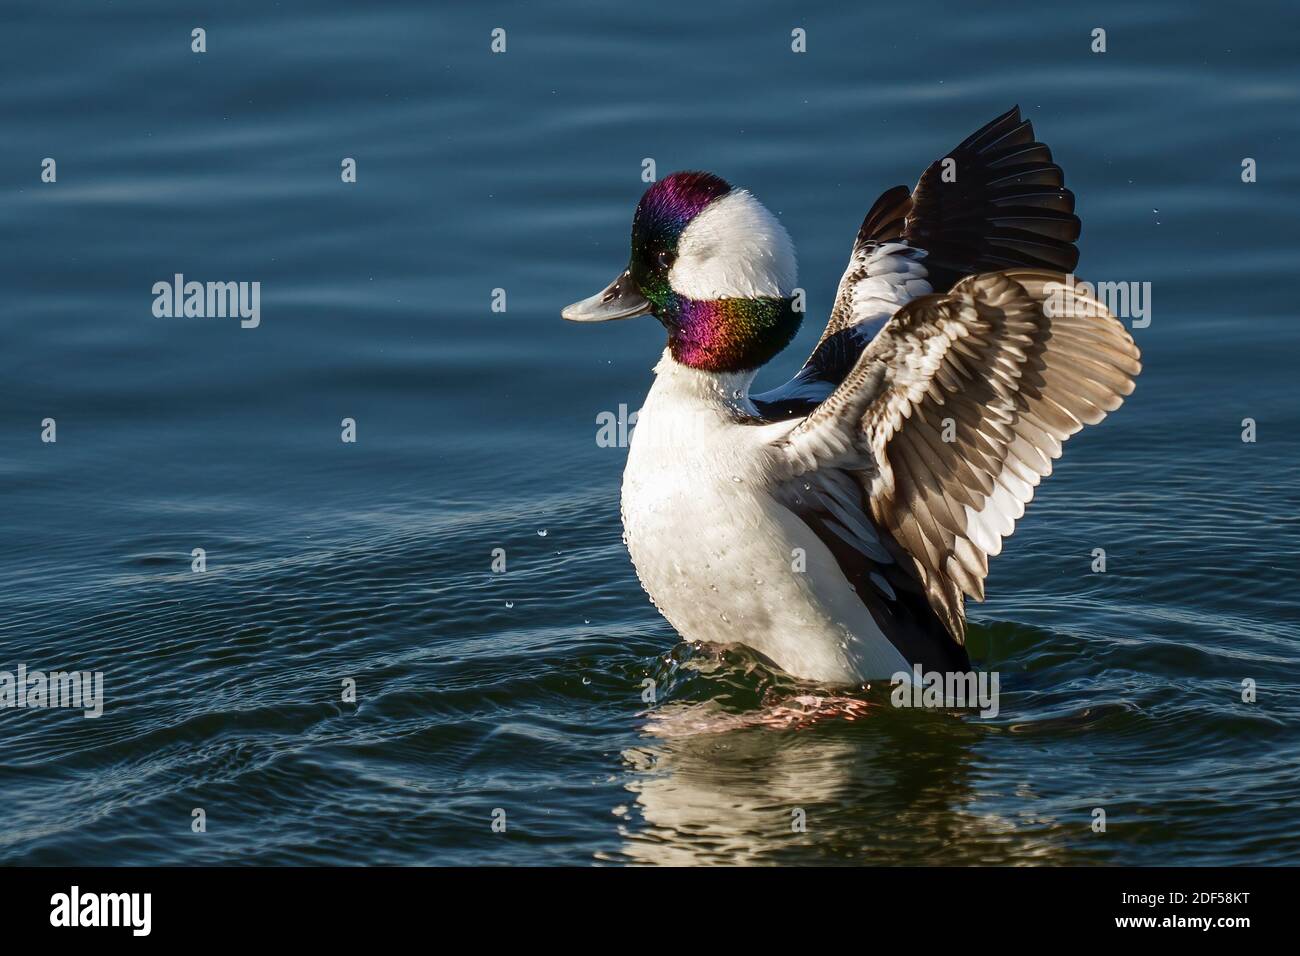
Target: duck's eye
x,y
666,258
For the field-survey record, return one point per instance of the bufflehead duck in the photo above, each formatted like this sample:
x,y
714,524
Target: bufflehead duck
x,y
836,524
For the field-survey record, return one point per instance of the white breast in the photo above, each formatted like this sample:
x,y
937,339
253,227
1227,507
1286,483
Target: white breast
x,y
717,553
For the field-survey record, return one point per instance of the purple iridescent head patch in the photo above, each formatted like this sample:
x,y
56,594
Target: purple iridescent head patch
x,y
674,201
718,335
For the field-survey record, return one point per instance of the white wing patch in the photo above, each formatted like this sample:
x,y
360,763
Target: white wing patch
x,y
879,280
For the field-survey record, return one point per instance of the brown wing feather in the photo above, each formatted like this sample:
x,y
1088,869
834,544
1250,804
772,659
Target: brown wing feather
x,y
1009,365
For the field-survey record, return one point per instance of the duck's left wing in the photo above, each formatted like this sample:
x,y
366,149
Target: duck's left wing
x,y
955,412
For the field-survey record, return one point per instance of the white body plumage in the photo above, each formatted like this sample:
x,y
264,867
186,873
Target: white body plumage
x,y
720,556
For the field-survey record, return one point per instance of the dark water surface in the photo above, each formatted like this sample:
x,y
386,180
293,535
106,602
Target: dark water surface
x,y
371,561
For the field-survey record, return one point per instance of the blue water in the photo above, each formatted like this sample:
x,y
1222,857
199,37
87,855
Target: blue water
x,y
476,430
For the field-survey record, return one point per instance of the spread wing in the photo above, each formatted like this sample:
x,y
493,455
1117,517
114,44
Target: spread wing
x,y
957,409
996,201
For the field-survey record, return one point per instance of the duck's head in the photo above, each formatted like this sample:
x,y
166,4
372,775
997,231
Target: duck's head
x,y
714,266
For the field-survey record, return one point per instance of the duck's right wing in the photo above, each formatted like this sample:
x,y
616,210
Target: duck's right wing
x,y
955,412
996,201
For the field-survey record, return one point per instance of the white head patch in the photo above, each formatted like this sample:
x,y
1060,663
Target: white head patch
x,y
734,249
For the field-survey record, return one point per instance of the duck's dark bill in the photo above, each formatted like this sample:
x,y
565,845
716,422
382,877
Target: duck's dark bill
x,y
618,300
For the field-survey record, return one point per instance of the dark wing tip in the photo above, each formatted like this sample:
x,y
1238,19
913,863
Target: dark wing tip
x,y
887,217
997,200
